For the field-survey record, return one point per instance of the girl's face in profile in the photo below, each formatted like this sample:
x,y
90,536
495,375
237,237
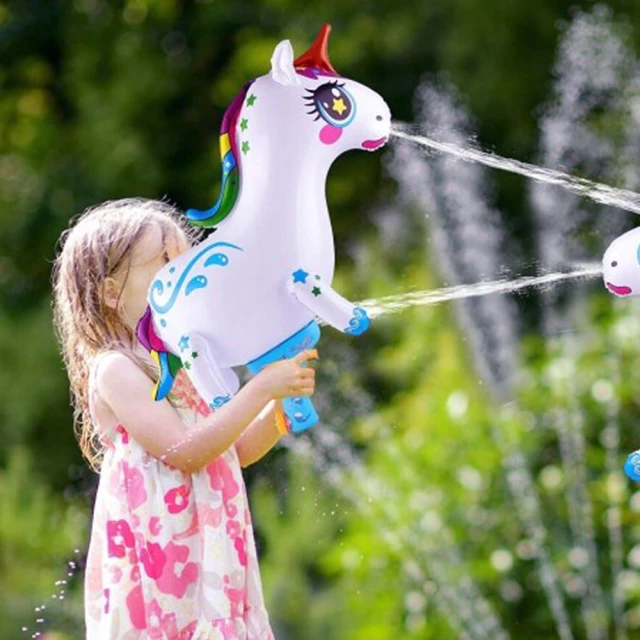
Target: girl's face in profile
x,y
148,256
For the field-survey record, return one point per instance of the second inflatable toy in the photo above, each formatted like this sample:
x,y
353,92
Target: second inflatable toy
x,y
621,273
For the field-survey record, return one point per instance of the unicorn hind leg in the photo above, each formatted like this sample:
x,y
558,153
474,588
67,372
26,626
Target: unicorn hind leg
x,y
215,385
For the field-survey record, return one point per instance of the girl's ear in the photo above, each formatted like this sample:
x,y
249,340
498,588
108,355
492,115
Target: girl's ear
x,y
111,292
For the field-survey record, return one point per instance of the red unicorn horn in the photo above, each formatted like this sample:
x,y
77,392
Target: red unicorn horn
x,y
317,55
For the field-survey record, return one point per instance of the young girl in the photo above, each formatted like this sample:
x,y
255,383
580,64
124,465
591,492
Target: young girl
x,y
172,553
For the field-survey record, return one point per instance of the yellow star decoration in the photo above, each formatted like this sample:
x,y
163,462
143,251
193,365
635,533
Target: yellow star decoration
x,y
339,105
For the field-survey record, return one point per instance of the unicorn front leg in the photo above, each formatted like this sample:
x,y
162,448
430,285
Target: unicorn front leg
x,y
214,384
326,303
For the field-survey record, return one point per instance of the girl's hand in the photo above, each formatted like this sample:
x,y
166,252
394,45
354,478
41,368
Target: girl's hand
x,y
288,378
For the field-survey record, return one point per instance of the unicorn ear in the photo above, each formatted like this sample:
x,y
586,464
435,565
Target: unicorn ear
x,y
282,69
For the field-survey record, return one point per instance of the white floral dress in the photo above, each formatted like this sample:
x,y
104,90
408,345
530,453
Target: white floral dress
x,y
172,555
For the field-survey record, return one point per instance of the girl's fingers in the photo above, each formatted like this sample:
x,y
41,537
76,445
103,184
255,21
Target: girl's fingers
x,y
307,354
303,390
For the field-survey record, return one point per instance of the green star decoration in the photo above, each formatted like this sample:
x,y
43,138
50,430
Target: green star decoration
x,y
194,354
187,365
245,147
316,291
244,123
250,100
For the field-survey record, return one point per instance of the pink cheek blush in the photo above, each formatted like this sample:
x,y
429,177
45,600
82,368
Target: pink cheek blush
x,y
329,134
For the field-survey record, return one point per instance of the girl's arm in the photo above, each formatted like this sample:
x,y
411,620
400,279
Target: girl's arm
x,y
157,427
260,436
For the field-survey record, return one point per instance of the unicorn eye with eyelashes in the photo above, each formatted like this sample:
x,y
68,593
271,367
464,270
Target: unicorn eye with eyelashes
x,y
333,103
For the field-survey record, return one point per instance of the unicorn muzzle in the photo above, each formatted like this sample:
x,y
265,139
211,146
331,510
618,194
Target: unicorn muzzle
x,y
372,145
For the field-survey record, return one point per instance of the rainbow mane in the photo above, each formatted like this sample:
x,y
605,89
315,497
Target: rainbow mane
x,y
230,168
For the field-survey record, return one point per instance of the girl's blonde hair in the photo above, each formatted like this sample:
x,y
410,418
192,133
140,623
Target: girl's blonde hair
x,y
98,245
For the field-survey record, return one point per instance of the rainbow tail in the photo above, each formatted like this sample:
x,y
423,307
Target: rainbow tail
x,y
168,363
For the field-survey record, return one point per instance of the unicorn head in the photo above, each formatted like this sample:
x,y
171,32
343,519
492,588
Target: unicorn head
x,y
328,110
288,126
621,264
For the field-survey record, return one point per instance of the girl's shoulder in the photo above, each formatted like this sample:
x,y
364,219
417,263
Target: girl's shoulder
x,y
98,410
102,355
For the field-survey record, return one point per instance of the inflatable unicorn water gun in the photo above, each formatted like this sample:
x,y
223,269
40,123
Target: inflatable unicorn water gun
x,y
253,291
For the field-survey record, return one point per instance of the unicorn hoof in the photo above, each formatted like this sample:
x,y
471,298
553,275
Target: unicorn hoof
x,y
632,466
359,323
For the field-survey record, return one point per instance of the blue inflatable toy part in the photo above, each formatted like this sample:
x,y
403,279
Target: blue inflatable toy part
x,y
300,411
632,466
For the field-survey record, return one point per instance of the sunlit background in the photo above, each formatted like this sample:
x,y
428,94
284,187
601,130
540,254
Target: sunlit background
x,y
466,478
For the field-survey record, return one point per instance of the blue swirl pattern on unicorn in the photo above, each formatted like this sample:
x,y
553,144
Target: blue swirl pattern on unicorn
x,y
253,291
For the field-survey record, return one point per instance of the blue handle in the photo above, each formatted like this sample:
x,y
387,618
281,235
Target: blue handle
x,y
300,411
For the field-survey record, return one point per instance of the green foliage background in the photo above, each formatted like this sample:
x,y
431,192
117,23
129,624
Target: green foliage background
x,y
102,99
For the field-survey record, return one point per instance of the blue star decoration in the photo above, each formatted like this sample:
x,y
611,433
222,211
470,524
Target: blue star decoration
x,y
300,276
184,343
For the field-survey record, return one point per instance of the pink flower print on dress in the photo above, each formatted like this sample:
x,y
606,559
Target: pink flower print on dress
x,y
170,582
127,484
177,499
187,632
161,626
119,538
106,600
236,598
203,515
116,575
241,550
221,479
236,534
153,559
123,432
183,387
227,628
135,605
134,484
154,525
233,528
